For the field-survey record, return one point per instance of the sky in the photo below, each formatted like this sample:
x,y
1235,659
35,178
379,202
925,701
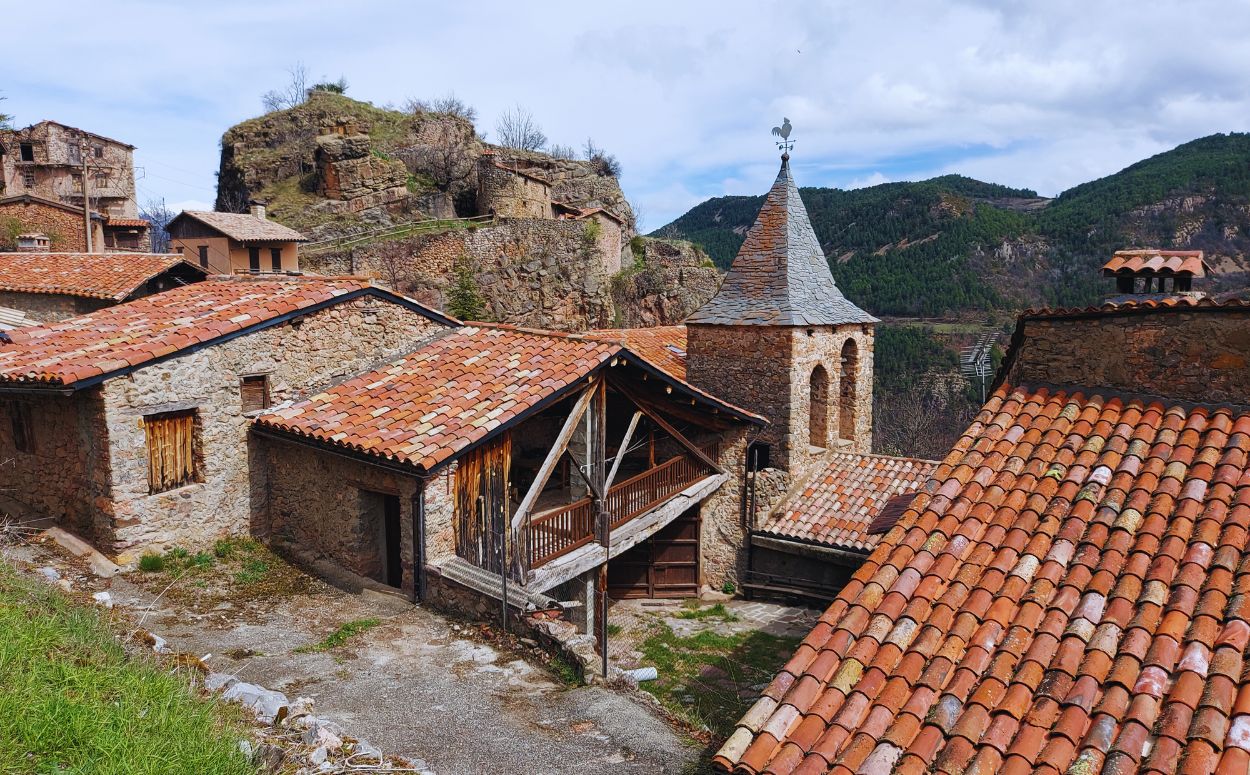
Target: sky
x,y
684,94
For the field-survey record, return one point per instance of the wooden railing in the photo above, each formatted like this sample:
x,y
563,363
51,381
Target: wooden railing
x,y
561,530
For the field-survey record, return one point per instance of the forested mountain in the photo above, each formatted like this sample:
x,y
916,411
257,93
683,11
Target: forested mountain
x,y
953,246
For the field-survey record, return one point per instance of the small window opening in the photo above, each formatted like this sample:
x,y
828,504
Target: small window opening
x,y
254,392
28,179
171,450
846,392
23,428
818,414
757,456
27,152
275,256
253,259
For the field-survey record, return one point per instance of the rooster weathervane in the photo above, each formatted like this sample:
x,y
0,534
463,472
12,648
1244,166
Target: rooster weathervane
x,y
785,145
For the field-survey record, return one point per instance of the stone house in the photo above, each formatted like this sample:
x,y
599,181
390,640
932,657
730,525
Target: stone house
x,y
61,223
130,425
46,160
513,190
235,243
47,287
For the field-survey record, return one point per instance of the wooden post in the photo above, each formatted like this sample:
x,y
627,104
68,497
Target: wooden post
x,y
621,450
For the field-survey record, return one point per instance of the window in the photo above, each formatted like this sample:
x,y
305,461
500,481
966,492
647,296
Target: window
x,y
23,429
27,152
97,151
253,259
757,456
203,256
846,394
275,255
28,179
818,412
254,392
76,180
75,153
171,450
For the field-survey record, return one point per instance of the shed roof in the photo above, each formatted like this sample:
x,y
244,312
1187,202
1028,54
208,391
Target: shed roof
x,y
780,276
111,276
839,502
243,227
663,346
1156,261
424,409
88,349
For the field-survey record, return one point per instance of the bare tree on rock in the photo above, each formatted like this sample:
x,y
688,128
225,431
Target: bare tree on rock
x,y
517,128
449,104
294,93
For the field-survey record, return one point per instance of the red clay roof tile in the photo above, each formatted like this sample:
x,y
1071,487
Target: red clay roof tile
x,y
110,276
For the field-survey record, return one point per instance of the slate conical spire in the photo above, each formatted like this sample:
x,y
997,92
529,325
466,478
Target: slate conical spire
x,y
780,277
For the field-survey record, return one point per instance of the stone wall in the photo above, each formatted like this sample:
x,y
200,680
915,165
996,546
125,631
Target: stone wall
x,y
511,193
543,273
723,535
440,516
574,182
64,227
50,307
314,499
66,476
1201,355
58,164
325,347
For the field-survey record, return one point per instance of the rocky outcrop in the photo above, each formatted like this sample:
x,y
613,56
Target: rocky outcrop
x,y
669,280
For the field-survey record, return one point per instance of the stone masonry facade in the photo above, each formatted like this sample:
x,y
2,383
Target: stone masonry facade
x,y
50,307
1190,355
54,168
120,515
64,227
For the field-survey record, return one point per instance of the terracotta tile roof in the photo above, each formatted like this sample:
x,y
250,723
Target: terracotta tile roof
x,y
112,276
114,340
244,227
426,407
137,223
1069,593
1145,305
839,502
1156,261
663,346
780,276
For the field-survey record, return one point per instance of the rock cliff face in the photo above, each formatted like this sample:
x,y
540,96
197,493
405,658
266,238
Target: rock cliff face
x,y
670,280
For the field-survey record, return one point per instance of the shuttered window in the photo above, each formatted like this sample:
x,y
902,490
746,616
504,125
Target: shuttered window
x,y
254,392
23,431
171,450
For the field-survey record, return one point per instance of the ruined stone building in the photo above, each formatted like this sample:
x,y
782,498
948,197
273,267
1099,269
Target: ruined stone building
x,y
44,287
41,167
1067,591
235,243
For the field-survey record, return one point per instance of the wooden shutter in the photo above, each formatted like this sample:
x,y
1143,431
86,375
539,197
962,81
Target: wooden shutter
x,y
254,392
171,450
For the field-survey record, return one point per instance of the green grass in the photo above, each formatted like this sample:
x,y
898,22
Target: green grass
x,y
614,629
565,671
345,632
71,701
693,611
702,676
254,570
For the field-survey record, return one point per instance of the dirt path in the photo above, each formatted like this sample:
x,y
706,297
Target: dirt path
x,y
416,684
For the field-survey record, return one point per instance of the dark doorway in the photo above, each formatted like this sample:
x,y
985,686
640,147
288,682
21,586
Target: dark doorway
x,y
665,565
253,259
380,515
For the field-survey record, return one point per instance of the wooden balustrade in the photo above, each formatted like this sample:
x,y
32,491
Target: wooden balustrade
x,y
561,530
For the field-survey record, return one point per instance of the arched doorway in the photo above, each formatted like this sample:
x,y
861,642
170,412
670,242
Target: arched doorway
x,y
846,392
818,414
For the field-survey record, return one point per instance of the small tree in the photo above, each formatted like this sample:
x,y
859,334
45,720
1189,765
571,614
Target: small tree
x,y
464,300
604,163
6,120
294,93
448,104
562,152
156,213
518,129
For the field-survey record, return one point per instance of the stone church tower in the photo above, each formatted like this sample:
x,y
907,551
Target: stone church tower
x,y
781,340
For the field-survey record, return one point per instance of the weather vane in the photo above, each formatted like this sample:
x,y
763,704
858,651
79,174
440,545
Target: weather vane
x,y
785,145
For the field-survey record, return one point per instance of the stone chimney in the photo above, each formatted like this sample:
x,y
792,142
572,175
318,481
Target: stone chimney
x,y
33,243
257,208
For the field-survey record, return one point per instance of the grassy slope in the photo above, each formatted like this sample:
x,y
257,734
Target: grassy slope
x,y
71,701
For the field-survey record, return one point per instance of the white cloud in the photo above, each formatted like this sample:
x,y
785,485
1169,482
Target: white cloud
x,y
875,179
1040,95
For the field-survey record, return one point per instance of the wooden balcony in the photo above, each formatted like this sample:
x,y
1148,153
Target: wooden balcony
x,y
557,532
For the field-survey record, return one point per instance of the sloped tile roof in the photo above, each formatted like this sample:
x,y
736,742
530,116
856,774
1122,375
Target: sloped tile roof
x,y
780,276
1069,593
1157,261
424,408
663,346
111,276
245,227
116,339
839,502
136,223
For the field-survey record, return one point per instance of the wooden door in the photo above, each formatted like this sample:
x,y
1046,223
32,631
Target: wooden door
x,y
664,566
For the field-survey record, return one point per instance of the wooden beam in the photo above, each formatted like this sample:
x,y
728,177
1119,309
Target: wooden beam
x,y
620,451
669,429
553,457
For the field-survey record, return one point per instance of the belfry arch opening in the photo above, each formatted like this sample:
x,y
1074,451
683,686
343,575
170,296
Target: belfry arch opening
x,y
818,416
846,392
